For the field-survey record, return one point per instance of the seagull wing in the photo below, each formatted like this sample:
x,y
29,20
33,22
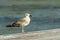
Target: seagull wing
x,y
19,22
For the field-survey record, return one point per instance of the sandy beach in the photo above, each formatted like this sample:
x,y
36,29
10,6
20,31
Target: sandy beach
x,y
53,34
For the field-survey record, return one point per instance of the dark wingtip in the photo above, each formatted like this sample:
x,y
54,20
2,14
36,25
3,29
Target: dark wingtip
x,y
9,26
12,25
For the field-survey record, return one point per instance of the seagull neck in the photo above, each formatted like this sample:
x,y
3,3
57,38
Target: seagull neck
x,y
27,16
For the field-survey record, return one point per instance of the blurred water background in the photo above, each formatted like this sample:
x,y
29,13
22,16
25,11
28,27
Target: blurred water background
x,y
45,14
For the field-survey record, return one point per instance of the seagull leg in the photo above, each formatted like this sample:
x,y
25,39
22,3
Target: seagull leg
x,y
22,29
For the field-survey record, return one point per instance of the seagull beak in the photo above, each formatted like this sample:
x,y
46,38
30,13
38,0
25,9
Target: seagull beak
x,y
30,15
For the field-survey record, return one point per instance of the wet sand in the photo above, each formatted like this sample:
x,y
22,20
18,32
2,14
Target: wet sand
x,y
52,34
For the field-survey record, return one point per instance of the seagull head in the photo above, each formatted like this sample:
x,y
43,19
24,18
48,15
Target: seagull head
x,y
28,14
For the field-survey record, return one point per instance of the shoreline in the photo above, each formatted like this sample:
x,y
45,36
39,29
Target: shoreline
x,y
53,34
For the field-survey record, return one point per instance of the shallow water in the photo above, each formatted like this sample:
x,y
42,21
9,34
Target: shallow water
x,y
42,19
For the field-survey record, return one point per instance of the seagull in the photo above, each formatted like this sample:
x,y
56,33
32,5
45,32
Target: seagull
x,y
21,22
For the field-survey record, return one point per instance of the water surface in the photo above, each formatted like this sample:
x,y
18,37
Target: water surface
x,y
42,19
